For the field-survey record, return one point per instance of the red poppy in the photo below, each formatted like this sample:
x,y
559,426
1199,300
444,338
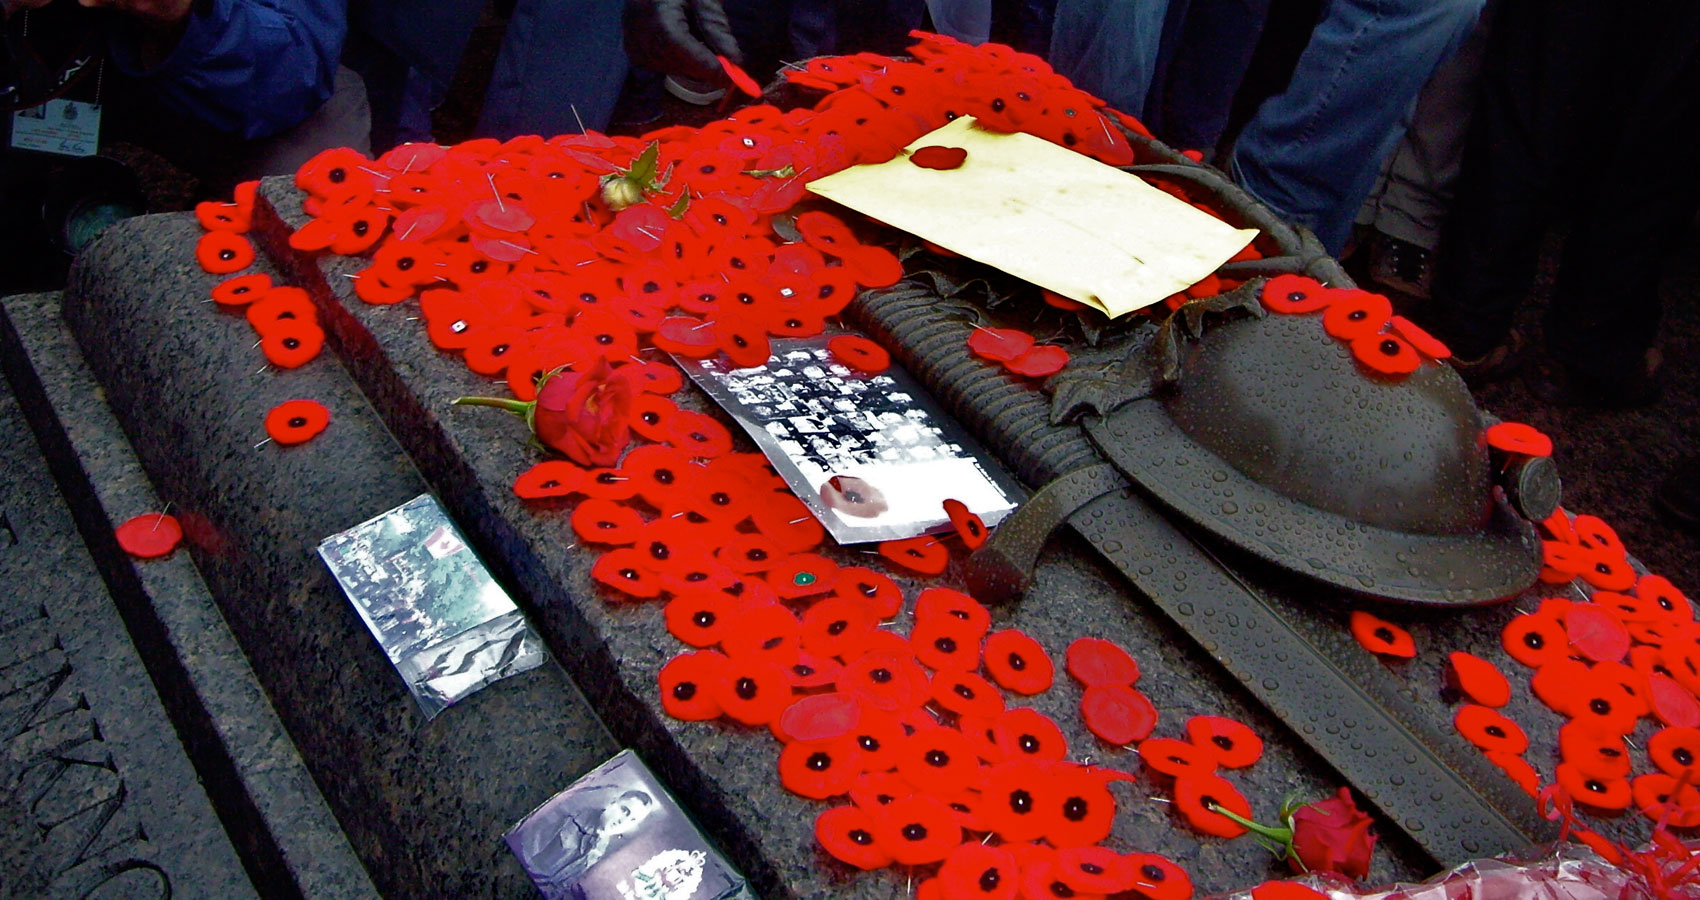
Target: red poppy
x,y
888,681
1477,679
357,229
1610,794
1356,314
1535,640
698,617
1595,633
215,216
1095,661
818,718
1387,354
1178,759
686,336
1233,745
1196,794
624,570
875,789
1676,752
150,535
938,761
1613,698
699,434
1517,769
923,554
975,871
600,521
1084,808
743,340
1489,730
820,769
550,478
1042,361
1557,683
769,632
836,627
1092,870
1039,881
689,685
1594,753
999,344
786,521
1666,799
966,694
967,525
1671,703
280,306
847,833
1609,570
1023,733
1017,662
241,290
754,691
1117,714
916,830
1286,890
224,252
1157,878
1518,438
1426,344
939,158
1382,637
880,735
945,644
803,575
749,553
859,354
292,344
296,421
1660,591
1296,294
657,472
1018,800
878,592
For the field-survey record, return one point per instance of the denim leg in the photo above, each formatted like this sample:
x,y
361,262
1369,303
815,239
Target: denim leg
x,y
1313,151
1109,47
1208,58
562,62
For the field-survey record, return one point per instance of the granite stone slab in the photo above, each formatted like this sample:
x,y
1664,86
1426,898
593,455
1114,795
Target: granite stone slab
x,y
423,803
101,798
271,808
728,775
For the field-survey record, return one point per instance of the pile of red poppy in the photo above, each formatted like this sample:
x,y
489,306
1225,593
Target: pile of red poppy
x,y
1385,343
523,265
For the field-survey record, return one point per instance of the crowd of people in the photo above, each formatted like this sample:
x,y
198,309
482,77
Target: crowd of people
x,y
1434,141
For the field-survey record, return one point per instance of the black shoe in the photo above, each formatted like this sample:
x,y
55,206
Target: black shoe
x,y
1679,494
1400,265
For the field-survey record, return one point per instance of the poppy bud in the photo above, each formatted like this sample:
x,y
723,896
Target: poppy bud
x,y
620,192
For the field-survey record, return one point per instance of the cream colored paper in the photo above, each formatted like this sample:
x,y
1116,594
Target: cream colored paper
x,y
1041,212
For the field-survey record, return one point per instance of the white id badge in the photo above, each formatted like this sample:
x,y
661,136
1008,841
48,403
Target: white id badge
x,y
65,127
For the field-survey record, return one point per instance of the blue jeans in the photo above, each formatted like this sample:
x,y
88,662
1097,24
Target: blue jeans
x,y
1109,47
1312,152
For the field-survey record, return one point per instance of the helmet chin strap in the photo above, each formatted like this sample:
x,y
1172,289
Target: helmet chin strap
x,y
1001,569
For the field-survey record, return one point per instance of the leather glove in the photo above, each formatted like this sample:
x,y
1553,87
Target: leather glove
x,y
680,37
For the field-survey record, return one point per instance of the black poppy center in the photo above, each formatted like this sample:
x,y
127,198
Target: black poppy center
x,y
963,691
1153,872
880,676
478,266
290,343
1074,809
858,836
945,645
989,880
819,761
746,688
337,175
914,831
227,253
703,618
1017,662
1021,802
684,690
1534,641
1682,756
298,422
938,759
1495,731
868,742
837,628
1028,743
361,226
1600,706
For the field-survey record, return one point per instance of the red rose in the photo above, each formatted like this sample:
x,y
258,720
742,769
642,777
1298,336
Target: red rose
x,y
1332,836
585,416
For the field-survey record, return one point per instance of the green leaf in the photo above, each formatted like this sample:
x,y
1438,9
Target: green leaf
x,y
643,168
677,210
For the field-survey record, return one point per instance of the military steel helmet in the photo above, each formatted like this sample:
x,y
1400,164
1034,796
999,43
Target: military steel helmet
x,y
1314,430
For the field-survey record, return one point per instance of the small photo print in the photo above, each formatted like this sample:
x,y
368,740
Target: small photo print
x,y
616,834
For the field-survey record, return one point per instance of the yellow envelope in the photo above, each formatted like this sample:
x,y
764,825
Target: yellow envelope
x,y
1044,213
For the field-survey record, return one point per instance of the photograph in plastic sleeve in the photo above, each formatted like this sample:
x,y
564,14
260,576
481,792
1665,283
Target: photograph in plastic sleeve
x,y
872,455
444,623
616,834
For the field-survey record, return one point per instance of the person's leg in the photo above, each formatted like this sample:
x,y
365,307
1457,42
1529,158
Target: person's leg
x,y
560,69
1109,47
1605,311
1312,152
1541,68
1212,48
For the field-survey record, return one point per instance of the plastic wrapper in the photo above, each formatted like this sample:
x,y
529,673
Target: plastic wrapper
x,y
444,623
1551,872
